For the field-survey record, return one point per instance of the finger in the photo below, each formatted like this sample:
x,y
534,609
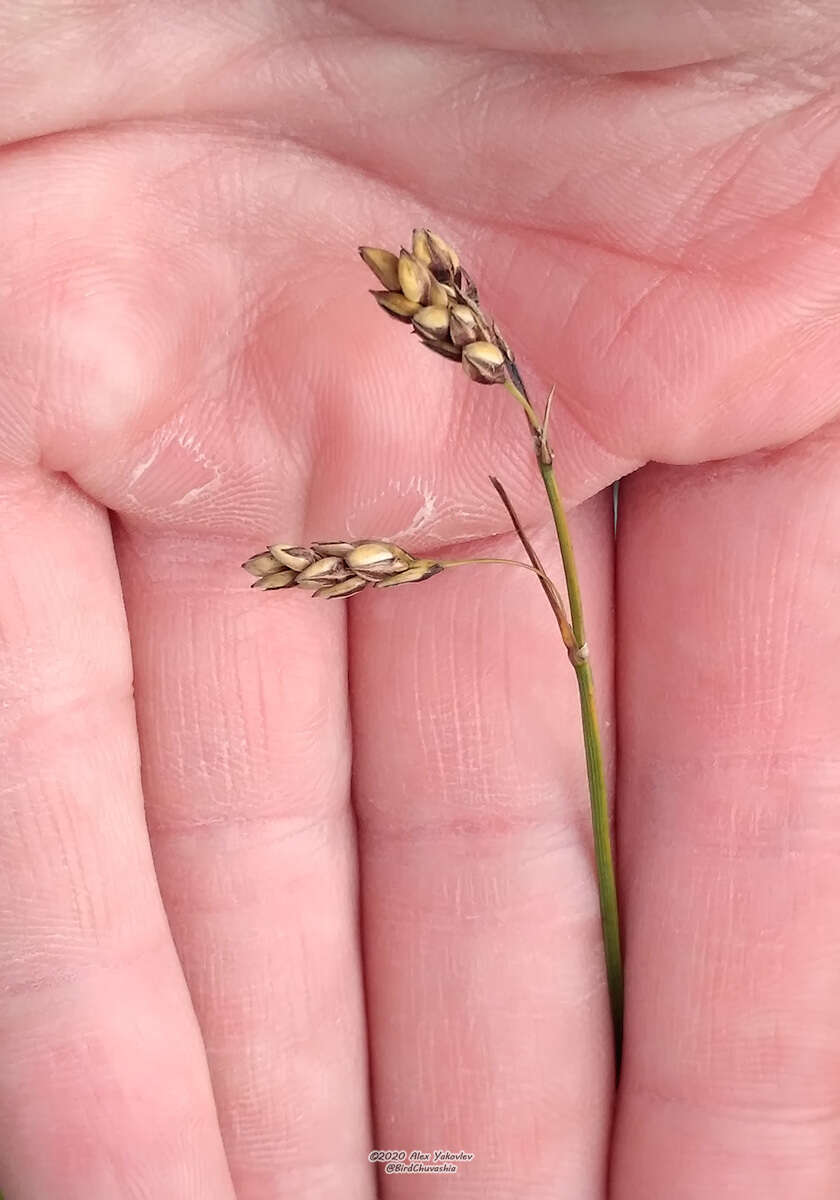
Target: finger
x,y
728,828
104,1088
642,37
485,983
113,67
675,247
242,711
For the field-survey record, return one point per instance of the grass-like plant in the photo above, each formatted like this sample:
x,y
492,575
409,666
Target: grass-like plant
x,y
429,290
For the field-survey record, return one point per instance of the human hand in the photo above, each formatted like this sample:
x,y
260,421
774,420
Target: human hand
x,y
648,201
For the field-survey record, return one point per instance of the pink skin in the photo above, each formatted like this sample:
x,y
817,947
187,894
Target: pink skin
x,y
292,961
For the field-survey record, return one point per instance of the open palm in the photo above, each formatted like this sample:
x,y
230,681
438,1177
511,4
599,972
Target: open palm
x,y
321,881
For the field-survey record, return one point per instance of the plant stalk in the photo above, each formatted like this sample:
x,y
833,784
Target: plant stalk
x,y
579,657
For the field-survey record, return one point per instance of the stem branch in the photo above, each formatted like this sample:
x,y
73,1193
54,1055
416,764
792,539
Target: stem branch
x,y
554,597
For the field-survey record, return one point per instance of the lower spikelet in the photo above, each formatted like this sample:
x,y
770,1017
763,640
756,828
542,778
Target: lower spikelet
x,y
337,569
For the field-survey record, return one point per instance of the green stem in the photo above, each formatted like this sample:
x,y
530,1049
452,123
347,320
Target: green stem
x,y
564,539
598,801
607,895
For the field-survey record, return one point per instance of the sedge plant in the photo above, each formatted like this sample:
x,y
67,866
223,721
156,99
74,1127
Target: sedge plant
x,y
427,289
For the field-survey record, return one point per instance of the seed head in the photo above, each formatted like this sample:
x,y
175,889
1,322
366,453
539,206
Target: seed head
x,y
333,569
463,325
384,266
484,362
330,569
339,548
445,262
436,254
420,247
466,286
377,560
348,587
424,568
293,557
396,305
432,322
437,296
274,580
415,279
260,564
